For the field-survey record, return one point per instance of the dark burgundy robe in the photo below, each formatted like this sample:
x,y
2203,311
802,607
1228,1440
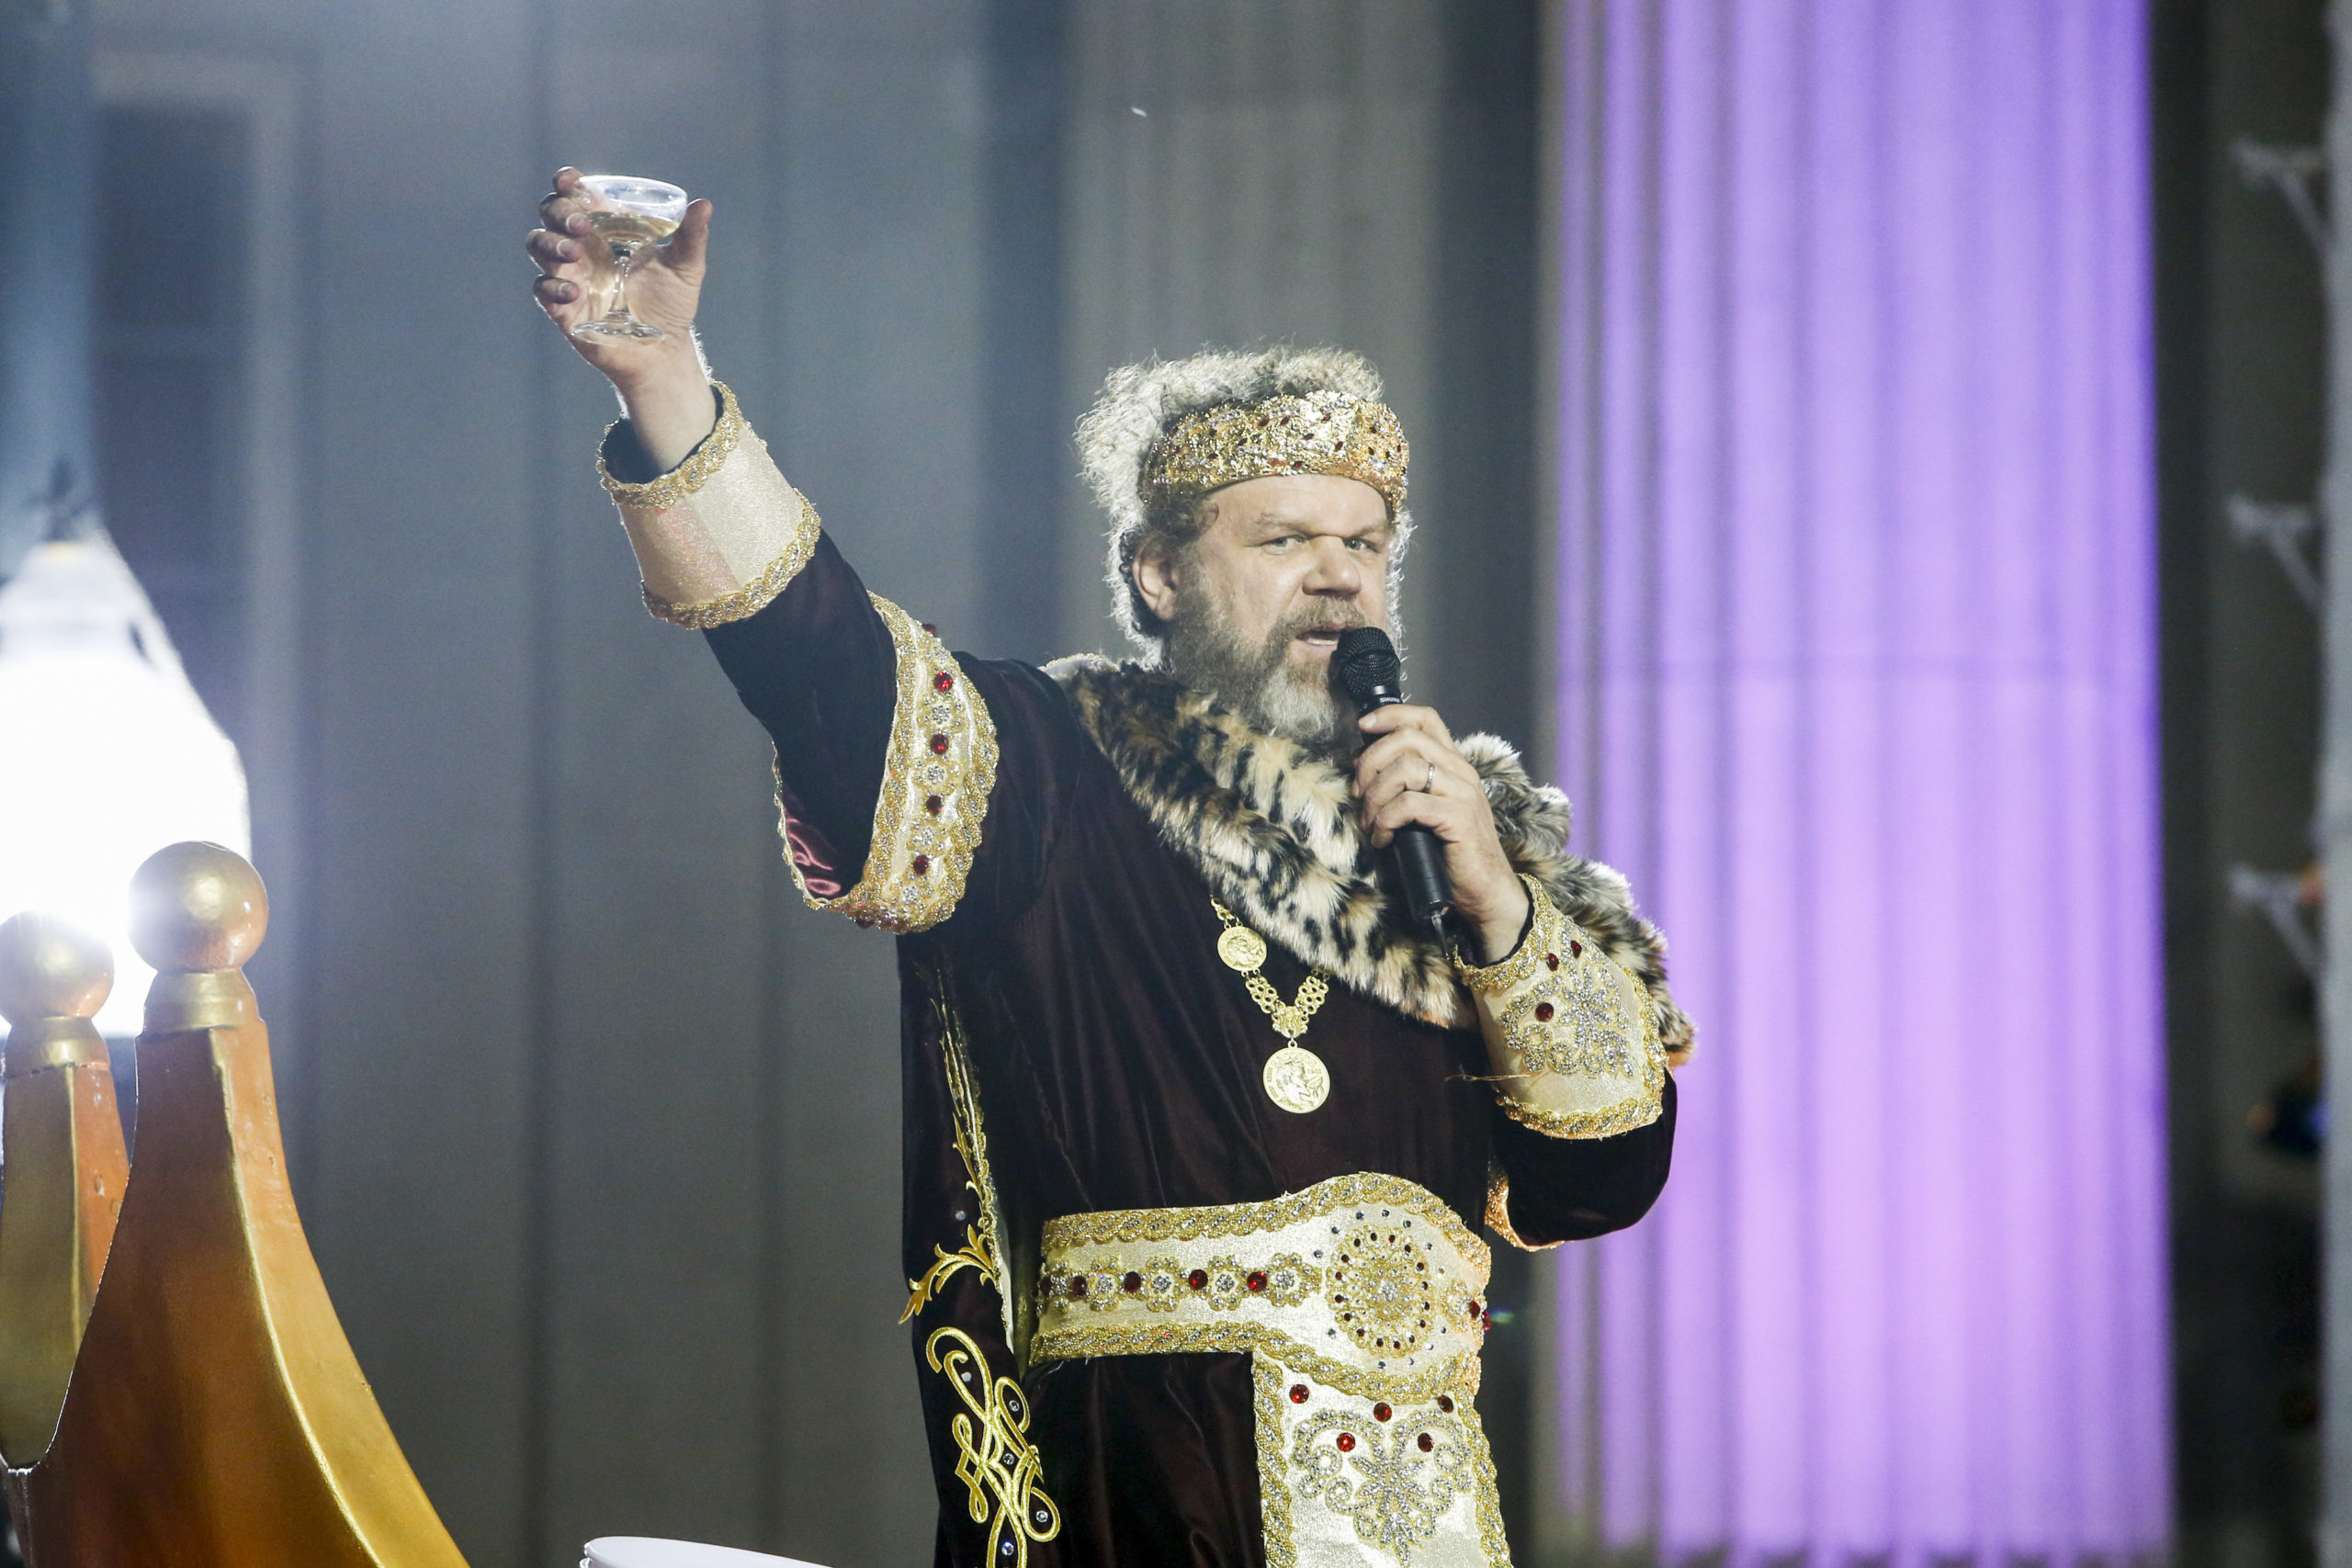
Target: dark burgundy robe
x,y
1116,1064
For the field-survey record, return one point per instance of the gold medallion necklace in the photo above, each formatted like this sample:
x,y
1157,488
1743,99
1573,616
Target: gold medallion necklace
x,y
1295,1077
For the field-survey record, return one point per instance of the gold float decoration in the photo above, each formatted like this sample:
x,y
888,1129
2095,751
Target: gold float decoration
x,y
217,1417
65,1168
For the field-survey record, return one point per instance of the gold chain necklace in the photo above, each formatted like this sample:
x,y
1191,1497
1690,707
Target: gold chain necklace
x,y
1295,1077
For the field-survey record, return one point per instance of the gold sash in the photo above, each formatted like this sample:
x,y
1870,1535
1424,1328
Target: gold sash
x,y
1362,1302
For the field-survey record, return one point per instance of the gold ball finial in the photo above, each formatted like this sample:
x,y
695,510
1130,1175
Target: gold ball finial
x,y
197,906
50,969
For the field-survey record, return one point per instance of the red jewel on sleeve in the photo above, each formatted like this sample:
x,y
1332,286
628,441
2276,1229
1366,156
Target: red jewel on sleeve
x,y
920,866
1298,1394
1445,1403
1551,961
1575,949
942,682
1347,1442
1427,1443
1381,1413
939,745
1543,1012
934,804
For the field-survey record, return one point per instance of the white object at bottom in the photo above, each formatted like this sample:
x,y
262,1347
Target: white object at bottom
x,y
646,1552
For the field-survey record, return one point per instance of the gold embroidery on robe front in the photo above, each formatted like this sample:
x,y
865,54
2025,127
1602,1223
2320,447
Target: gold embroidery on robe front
x,y
997,1462
984,1246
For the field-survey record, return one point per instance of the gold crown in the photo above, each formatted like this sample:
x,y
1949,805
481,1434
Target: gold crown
x,y
1319,433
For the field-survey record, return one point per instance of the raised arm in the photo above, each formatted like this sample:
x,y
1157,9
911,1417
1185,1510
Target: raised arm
x,y
886,754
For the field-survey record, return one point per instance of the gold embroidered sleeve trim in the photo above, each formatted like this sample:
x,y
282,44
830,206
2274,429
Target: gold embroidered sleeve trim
x,y
744,603
936,785
1573,1031
688,477
1499,1212
998,1464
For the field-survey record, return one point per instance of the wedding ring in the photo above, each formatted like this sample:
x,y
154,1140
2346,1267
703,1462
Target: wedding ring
x,y
1431,788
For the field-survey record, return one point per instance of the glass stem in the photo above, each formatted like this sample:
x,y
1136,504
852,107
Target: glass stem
x,y
622,257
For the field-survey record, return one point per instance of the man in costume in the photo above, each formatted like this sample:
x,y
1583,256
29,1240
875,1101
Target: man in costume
x,y
1199,1129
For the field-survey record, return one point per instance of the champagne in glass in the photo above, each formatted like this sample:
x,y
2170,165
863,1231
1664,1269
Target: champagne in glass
x,y
641,212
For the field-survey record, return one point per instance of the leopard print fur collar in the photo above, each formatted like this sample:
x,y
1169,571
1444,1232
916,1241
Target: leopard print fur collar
x,y
1273,831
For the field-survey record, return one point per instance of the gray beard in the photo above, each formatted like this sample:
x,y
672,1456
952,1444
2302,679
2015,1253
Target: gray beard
x,y
1205,652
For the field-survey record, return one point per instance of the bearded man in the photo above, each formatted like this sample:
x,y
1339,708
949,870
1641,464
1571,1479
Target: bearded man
x,y
1199,1129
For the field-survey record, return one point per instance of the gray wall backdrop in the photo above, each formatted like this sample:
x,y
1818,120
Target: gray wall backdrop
x,y
594,1131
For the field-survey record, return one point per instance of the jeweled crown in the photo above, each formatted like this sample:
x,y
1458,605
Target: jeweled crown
x,y
1313,433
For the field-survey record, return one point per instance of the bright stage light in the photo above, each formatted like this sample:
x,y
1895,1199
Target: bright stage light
x,y
106,753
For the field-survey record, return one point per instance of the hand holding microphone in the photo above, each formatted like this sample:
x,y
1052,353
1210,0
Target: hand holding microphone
x,y
1428,805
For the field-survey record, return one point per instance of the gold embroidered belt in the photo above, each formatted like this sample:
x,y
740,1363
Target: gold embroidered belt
x,y
1362,1302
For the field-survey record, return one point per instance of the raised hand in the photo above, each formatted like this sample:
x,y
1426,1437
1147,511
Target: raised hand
x,y
660,380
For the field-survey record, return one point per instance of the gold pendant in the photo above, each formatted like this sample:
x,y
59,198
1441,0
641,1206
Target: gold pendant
x,y
1242,947
1296,1079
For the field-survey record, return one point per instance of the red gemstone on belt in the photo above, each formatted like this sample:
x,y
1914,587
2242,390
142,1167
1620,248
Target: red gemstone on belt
x,y
1298,1394
1543,1012
1198,1278
1133,1282
1077,1284
1257,1280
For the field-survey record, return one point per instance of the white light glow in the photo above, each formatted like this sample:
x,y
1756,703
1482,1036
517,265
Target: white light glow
x,y
106,753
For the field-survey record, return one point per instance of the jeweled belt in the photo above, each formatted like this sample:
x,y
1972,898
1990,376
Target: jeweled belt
x,y
1362,1302
1369,1282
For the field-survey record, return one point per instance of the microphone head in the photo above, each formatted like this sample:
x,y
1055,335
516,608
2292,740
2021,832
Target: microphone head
x,y
1367,662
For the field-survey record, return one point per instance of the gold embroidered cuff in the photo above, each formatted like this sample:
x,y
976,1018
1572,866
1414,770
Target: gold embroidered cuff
x,y
701,464
936,786
718,536
1543,922
1573,1031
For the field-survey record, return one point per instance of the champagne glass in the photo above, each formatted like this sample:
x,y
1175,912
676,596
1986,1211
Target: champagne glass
x,y
643,212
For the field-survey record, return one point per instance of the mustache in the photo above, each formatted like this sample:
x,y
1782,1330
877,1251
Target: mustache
x,y
1307,619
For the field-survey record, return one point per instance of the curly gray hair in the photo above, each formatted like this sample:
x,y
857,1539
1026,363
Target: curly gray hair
x,y
1139,403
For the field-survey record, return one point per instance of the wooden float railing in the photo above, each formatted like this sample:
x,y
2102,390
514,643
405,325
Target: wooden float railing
x,y
214,1415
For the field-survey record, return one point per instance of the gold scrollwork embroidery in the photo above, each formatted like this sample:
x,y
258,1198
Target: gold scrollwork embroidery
x,y
1281,1414
937,776
1394,1477
982,1248
996,1461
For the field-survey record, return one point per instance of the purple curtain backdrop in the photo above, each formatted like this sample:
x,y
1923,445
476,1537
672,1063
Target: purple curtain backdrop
x,y
1857,679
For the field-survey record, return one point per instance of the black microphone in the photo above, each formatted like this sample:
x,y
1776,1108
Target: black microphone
x,y
1369,671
